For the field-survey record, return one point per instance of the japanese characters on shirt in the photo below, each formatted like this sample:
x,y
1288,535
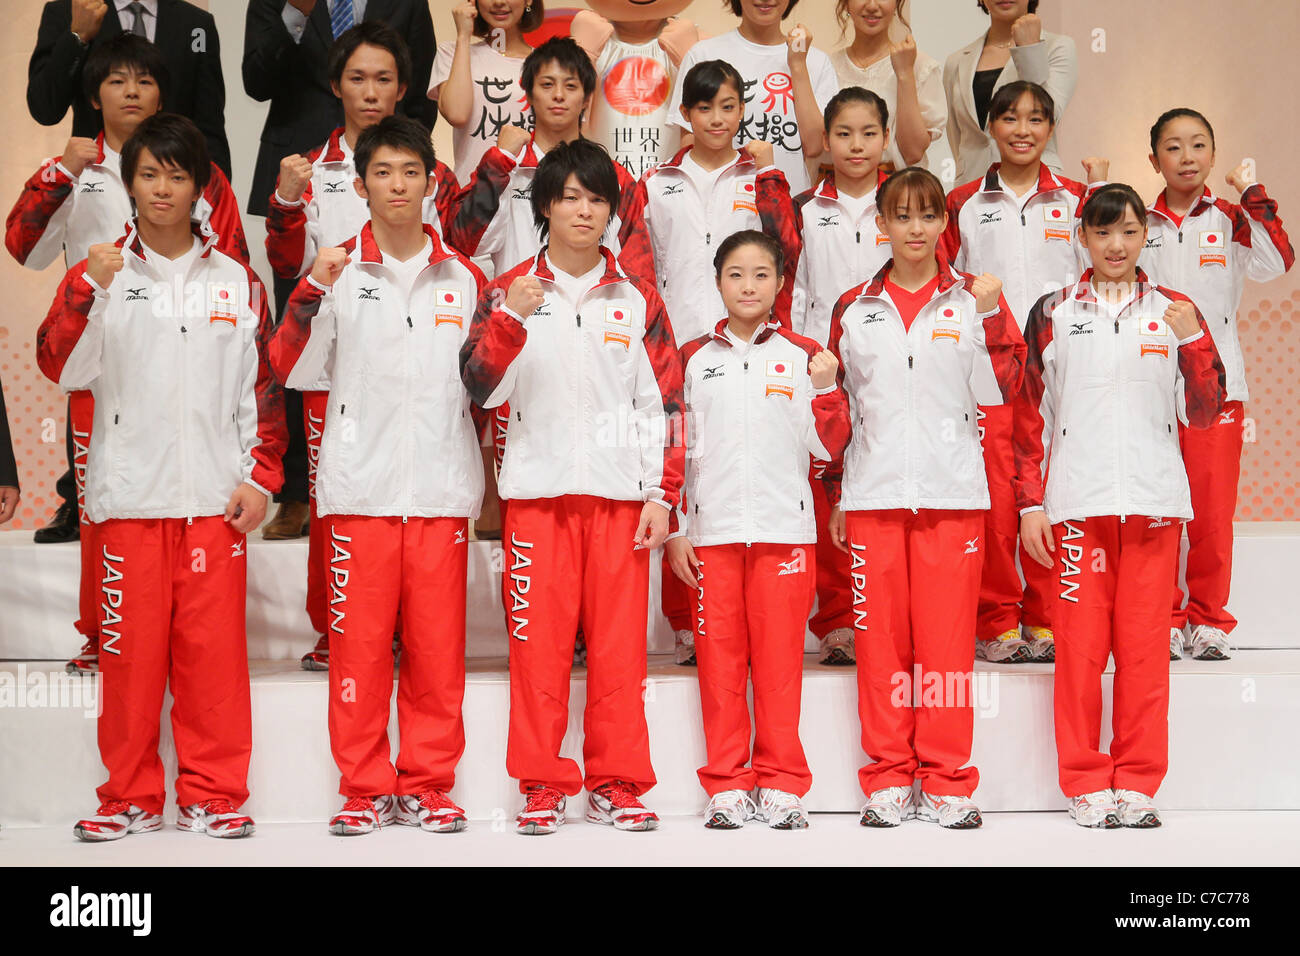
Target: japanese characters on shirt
x,y
499,101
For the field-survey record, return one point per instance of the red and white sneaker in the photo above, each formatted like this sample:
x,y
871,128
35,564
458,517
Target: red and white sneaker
x,y
115,819
216,818
318,658
618,805
87,662
363,815
433,811
543,812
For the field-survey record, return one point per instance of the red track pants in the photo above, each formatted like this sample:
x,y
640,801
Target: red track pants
x,y
834,593
81,409
569,561
314,405
754,603
1212,457
915,585
1113,576
171,596
374,566
1003,603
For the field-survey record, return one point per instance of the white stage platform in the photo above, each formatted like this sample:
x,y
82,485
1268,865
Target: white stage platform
x,y
1231,740
38,596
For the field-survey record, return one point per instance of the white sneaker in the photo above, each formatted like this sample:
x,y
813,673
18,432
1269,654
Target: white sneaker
x,y
1136,810
216,818
1007,648
729,810
619,805
888,807
432,810
684,651
1175,643
1042,643
115,819
361,815
951,813
781,810
1210,643
837,648
1097,809
543,812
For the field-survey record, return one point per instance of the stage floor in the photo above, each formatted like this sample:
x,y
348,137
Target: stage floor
x,y
1188,838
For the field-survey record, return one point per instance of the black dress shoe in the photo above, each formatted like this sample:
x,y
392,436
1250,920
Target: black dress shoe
x,y
64,526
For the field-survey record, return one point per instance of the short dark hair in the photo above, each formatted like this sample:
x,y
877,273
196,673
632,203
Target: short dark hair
x,y
1106,206
737,10
582,158
174,141
748,237
706,78
855,94
395,132
370,33
1006,98
1033,6
534,14
124,51
1169,116
564,52
919,186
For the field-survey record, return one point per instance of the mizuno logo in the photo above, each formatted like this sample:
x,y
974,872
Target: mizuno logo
x,y
986,218
237,549
716,372
795,565
1080,328
335,187
877,316
972,546
831,220
371,293
92,187
460,536
524,192
1225,418
135,295
674,189
1160,523
1153,243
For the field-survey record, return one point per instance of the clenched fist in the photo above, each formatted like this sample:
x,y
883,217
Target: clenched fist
x,y
822,368
78,154
103,262
524,296
1097,169
1241,178
464,14
329,264
295,174
987,290
87,17
1181,317
761,151
902,56
512,139
1027,30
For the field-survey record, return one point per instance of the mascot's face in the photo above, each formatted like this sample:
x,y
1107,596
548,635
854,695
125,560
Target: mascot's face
x,y
621,11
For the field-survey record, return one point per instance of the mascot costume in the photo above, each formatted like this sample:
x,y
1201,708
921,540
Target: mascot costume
x,y
636,46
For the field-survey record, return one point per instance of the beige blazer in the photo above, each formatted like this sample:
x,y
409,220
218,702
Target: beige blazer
x,y
1051,63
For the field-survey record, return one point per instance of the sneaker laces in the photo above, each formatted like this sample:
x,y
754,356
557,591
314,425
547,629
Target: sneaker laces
x,y
542,798
217,806
1098,797
738,799
620,794
111,808
779,800
436,800
359,804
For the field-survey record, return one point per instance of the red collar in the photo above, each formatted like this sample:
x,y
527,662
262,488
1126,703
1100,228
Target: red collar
x,y
613,273
1046,180
334,147
371,253
826,188
948,277
1161,208
766,332
132,242
99,141
742,159
1083,288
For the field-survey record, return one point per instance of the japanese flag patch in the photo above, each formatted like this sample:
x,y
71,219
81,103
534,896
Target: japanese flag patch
x,y
618,314
1152,326
779,368
1213,249
1056,213
947,315
1212,239
444,299
746,198
222,302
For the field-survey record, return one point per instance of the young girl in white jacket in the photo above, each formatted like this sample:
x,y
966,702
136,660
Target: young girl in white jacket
x,y
759,400
920,346
1115,365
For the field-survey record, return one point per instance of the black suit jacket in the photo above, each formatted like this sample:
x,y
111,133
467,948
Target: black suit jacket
x,y
197,89
295,78
8,468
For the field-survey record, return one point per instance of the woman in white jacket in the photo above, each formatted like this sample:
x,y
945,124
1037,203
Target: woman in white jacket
x,y
1115,364
1014,48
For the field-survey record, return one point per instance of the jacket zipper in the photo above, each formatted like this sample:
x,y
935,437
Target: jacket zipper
x,y
749,538
1119,444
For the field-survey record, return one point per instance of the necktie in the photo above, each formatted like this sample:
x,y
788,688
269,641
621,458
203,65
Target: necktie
x,y
340,17
138,26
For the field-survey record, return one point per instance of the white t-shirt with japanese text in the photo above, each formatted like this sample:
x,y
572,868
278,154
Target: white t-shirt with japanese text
x,y
498,101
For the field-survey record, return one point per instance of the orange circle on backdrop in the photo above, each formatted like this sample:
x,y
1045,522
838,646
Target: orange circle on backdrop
x,y
636,86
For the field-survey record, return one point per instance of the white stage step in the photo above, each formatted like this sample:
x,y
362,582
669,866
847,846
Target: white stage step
x,y
38,596
1230,740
